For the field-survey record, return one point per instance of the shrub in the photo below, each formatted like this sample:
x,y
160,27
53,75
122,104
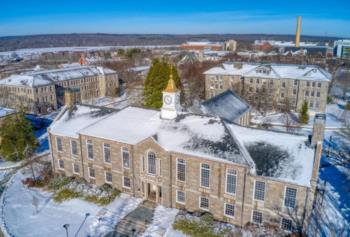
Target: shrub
x,y
113,193
65,194
58,183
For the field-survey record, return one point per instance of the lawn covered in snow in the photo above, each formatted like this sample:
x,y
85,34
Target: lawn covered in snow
x,y
32,212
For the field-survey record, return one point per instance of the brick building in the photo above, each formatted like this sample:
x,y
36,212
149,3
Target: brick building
x,y
189,161
202,45
43,91
272,86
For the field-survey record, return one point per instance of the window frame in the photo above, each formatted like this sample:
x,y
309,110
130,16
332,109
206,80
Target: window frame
x,y
226,181
284,199
252,217
89,142
123,184
177,169
201,178
73,168
200,203
61,144
291,224
148,163
59,164
89,173
106,181
177,197
225,209
122,151
254,194
104,146
71,148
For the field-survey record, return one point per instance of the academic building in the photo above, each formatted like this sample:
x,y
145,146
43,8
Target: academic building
x,y
43,91
271,86
191,161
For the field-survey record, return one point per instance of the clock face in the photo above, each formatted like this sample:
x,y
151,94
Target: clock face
x,y
167,99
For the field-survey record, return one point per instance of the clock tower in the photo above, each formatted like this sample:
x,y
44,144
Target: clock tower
x,y
171,100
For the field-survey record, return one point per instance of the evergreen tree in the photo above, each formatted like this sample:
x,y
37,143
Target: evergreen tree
x,y
17,138
156,82
304,115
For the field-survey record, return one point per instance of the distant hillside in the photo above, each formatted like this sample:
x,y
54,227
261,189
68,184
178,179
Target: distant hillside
x,y
61,40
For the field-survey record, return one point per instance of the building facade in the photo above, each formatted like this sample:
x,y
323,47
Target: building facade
x,y
271,86
202,45
342,49
182,163
43,91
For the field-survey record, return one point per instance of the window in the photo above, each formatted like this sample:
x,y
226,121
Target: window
x,y
180,196
311,104
204,203
282,95
107,153
125,155
91,173
90,149
151,163
283,84
74,147
126,182
259,193
205,175
319,84
286,224
312,93
290,197
257,80
108,177
308,83
61,164
318,94
181,169
294,91
295,82
306,93
59,144
313,84
257,217
231,178
229,210
76,169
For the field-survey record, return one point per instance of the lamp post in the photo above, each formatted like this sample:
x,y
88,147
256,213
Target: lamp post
x,y
66,226
133,232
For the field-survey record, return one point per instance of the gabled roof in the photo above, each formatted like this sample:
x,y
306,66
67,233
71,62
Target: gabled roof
x,y
226,105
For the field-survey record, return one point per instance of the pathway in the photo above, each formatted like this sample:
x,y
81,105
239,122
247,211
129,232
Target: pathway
x,y
135,223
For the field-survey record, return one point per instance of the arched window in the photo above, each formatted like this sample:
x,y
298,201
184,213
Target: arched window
x,y
151,163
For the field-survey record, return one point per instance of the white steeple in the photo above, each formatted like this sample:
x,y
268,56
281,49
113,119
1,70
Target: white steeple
x,y
171,99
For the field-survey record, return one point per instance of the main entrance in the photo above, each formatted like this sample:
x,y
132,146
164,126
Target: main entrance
x,y
153,192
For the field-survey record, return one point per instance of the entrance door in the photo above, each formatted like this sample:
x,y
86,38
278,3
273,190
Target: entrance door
x,y
152,192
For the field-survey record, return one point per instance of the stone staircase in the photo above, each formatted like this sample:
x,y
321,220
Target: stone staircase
x,y
136,222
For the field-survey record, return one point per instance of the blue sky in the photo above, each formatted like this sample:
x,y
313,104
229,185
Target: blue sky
x,y
23,17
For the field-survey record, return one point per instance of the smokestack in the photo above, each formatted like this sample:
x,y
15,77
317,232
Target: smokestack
x,y
297,36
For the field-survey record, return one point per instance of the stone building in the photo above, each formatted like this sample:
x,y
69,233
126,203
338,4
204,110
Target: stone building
x,y
42,91
189,161
271,86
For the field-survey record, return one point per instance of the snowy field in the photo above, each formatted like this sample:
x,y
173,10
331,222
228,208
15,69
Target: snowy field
x,y
32,212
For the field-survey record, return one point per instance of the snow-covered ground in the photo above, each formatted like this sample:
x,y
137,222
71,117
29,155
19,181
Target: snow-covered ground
x,y
32,212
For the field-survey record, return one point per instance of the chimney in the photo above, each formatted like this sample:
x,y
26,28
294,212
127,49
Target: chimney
x,y
297,36
318,129
71,97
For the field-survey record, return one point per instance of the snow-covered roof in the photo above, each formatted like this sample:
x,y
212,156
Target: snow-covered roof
x,y
139,69
46,77
203,43
70,122
273,71
226,105
278,155
277,43
6,111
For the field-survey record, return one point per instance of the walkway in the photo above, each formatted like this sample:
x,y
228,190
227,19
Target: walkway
x,y
135,223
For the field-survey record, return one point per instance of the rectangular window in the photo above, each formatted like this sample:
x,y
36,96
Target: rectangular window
x,y
259,193
283,84
308,83
76,168
231,179
125,155
108,177
319,84
204,203
205,175
74,147
126,182
91,173
306,93
286,224
229,210
295,82
152,163
59,144
294,91
312,93
90,150
290,197
181,169
282,95
313,84
257,217
107,153
318,94
61,164
180,196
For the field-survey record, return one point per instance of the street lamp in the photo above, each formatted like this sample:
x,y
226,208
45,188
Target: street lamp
x,y
133,232
66,226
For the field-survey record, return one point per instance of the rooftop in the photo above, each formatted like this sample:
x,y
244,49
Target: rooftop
x,y
273,71
226,105
46,77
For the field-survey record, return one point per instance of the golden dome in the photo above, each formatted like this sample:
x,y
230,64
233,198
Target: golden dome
x,y
171,87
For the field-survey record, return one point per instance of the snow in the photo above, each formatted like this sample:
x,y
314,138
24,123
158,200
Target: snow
x,y
278,71
70,124
301,156
32,212
162,222
6,111
24,80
